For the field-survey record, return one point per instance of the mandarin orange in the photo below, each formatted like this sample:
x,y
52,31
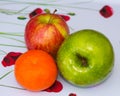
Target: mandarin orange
x,y
35,70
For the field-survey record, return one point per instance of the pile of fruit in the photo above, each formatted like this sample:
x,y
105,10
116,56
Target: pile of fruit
x,y
83,58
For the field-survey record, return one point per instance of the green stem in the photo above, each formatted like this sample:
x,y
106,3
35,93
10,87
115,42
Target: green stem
x,y
12,23
12,87
12,34
83,2
12,45
8,85
2,4
14,39
31,3
50,4
22,10
68,5
6,74
3,52
12,12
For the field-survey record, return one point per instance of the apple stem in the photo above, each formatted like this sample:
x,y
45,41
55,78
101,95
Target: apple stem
x,y
51,15
54,11
83,61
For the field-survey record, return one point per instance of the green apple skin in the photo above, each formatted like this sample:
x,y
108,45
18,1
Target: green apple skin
x,y
46,32
85,58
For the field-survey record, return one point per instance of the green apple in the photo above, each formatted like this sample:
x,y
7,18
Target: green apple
x,y
85,58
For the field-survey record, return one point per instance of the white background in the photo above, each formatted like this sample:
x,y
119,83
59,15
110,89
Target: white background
x,y
84,19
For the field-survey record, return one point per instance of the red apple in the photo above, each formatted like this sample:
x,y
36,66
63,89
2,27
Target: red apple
x,y
46,32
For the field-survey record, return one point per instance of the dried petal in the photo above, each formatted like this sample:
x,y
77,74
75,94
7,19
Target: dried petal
x,y
10,58
65,17
56,87
106,11
35,12
72,94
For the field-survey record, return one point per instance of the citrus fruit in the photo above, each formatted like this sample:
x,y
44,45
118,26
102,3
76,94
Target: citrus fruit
x,y
35,70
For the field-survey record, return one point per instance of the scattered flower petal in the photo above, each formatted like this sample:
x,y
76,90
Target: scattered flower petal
x,y
106,11
39,11
65,17
56,87
10,58
35,12
72,94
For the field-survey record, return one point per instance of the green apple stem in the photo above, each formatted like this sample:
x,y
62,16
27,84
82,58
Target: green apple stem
x,y
51,15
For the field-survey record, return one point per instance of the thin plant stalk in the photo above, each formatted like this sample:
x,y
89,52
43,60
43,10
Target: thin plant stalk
x,y
12,34
14,39
12,87
12,45
6,74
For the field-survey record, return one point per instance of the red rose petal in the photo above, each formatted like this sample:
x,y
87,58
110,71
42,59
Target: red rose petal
x,y
72,94
106,11
65,17
35,12
56,87
14,55
7,61
10,58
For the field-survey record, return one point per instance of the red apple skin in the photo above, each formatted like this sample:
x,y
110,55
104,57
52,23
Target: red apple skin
x,y
46,32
